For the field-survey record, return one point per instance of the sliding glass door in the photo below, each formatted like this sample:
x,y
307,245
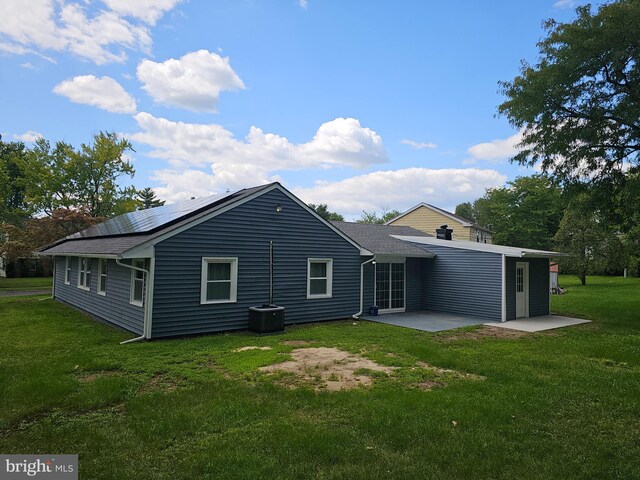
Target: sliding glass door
x,y
390,287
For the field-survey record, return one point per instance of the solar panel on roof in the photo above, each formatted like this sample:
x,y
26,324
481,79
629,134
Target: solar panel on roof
x,y
143,221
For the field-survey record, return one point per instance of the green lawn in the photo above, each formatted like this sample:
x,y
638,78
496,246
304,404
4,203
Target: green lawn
x,y
557,405
35,283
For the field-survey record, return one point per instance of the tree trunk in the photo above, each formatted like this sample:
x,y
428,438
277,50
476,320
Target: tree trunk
x,y
583,278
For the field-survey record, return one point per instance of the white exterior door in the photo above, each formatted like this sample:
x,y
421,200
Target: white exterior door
x,y
390,287
522,289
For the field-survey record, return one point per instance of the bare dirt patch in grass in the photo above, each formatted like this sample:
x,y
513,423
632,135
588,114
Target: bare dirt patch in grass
x,y
159,383
328,368
430,385
296,343
89,377
483,332
251,347
448,372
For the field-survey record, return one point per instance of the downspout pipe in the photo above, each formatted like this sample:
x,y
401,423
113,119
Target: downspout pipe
x,y
147,301
357,315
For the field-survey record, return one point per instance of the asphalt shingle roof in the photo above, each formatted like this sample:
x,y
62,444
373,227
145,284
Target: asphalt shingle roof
x,y
378,238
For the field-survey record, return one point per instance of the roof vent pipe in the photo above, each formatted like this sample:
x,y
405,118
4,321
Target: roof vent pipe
x,y
444,232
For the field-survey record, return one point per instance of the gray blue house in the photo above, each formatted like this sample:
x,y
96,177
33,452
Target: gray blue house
x,y
197,266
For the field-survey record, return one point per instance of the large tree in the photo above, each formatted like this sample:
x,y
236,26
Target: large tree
x,y
525,213
13,203
593,245
147,198
35,233
467,211
48,177
86,179
95,171
323,210
578,106
374,217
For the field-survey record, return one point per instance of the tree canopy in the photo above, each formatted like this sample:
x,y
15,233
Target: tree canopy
x,y
147,199
379,218
525,213
323,210
467,210
13,204
85,179
578,107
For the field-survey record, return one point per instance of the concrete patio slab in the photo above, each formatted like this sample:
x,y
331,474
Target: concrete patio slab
x,y
426,321
539,324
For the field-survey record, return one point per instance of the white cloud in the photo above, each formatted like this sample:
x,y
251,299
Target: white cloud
x,y
418,145
102,92
29,136
28,65
236,163
340,142
495,150
148,11
193,82
402,189
58,25
564,4
303,3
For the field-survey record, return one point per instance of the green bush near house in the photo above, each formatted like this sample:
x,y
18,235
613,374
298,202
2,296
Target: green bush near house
x,y
562,404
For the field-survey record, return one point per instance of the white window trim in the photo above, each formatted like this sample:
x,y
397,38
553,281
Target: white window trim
x,y
233,291
67,271
329,262
100,274
140,264
84,286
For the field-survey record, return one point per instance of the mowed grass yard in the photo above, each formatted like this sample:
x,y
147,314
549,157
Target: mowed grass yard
x,y
557,405
27,283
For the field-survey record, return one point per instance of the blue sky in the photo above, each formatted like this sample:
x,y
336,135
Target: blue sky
x,y
362,105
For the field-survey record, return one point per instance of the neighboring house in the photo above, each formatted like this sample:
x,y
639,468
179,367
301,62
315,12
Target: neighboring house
x,y
428,218
32,266
197,266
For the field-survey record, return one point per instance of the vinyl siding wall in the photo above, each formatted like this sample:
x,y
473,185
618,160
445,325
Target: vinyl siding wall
x,y
463,282
244,232
538,286
414,284
113,307
425,219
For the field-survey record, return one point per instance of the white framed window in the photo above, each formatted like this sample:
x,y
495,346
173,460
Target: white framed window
x,y
319,277
219,280
67,271
84,273
102,276
137,283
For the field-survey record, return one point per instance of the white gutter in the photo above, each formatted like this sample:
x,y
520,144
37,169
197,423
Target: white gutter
x,y
357,315
146,327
